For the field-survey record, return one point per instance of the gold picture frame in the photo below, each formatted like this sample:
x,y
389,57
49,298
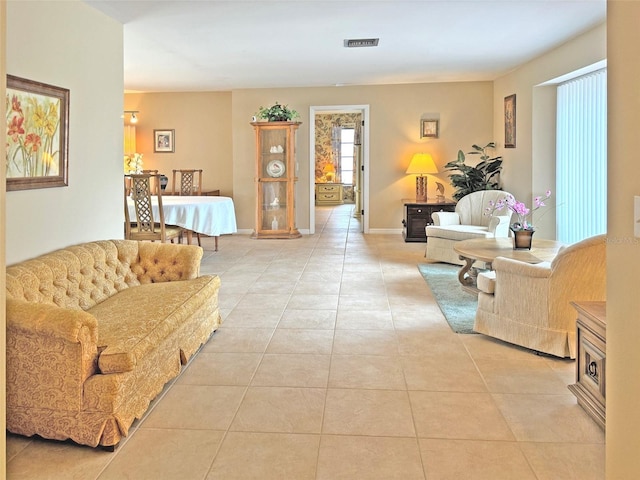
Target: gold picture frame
x,y
164,141
429,128
37,135
510,121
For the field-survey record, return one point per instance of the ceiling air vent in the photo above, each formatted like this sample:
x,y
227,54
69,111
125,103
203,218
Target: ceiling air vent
x,y
361,42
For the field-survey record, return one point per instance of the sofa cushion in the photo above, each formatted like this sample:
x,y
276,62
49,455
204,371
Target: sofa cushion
x,y
136,320
458,232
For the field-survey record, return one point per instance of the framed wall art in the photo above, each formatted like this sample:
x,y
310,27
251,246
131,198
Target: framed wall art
x,y
37,135
164,141
429,128
510,121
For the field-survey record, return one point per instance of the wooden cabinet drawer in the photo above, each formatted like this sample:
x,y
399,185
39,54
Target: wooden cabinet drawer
x,y
328,188
328,197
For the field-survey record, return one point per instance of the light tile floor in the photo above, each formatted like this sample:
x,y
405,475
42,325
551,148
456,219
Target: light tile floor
x,y
335,362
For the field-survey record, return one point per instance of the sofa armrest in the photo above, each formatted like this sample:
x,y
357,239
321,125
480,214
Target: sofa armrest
x,y
445,218
50,320
499,225
523,269
166,262
51,351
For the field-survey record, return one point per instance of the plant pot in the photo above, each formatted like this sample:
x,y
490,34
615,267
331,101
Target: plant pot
x,y
522,239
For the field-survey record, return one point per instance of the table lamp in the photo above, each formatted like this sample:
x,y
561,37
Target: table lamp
x,y
421,164
329,172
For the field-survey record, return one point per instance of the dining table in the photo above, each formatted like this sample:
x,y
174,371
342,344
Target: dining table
x,y
207,215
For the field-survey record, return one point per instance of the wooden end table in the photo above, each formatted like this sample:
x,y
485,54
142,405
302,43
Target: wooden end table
x,y
417,215
488,249
591,331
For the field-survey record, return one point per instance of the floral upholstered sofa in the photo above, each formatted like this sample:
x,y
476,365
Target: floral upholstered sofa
x,y
95,331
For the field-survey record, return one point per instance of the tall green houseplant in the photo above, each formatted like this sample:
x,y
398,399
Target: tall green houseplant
x,y
484,176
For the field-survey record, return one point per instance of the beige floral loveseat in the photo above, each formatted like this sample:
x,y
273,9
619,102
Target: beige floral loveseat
x,y
94,332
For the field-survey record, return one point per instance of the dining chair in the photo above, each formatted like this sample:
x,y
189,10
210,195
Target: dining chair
x,y
146,226
151,172
187,186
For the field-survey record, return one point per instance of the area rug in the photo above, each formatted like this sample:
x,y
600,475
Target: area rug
x,y
458,306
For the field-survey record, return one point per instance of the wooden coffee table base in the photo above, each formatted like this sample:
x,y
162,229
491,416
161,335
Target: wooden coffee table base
x,y
468,275
487,249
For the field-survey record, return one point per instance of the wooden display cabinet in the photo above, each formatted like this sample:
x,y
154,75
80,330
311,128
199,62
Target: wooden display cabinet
x,y
275,180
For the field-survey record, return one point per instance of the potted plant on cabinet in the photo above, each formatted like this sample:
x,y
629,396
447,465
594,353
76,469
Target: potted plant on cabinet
x,y
484,176
277,113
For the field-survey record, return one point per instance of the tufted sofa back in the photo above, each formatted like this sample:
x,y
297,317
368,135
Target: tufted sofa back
x,y
81,276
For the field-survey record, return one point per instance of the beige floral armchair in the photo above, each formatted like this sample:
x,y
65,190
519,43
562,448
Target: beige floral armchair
x,y
529,305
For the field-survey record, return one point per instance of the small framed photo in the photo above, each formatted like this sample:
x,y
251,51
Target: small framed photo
x,y
164,141
429,128
510,121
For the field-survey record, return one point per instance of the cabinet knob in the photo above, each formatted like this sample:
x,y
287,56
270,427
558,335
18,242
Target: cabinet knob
x,y
419,210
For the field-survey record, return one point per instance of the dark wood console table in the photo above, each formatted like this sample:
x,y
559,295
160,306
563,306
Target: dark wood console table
x,y
417,215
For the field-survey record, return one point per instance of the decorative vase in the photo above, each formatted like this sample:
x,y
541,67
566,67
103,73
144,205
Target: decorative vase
x,y
522,239
164,180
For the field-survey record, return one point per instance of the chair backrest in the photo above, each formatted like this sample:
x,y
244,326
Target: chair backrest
x,y
152,172
472,208
146,227
578,273
187,184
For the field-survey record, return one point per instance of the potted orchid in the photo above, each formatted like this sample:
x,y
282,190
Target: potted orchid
x,y
522,228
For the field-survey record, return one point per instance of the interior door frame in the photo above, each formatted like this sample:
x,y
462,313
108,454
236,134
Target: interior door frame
x,y
313,110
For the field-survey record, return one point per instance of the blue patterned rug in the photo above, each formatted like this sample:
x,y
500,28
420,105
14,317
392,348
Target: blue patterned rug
x,y
458,306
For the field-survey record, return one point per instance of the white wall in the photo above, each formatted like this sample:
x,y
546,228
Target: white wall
x,y
623,249
529,169
464,108
71,45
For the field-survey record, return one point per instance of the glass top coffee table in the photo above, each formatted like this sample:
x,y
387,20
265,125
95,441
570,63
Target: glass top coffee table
x,y
487,249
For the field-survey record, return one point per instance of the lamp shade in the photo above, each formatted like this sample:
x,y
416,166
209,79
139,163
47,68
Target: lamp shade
x,y
329,168
422,163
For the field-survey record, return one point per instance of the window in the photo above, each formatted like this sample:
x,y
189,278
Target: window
x,y
581,157
347,136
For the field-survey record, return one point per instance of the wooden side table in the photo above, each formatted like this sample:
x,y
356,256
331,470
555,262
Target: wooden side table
x,y
417,215
329,194
590,386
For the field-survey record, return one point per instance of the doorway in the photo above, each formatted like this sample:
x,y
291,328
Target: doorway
x,y
360,172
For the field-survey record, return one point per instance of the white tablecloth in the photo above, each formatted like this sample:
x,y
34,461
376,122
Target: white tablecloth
x,y
209,215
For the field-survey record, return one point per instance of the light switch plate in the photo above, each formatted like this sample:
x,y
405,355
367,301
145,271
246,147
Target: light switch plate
x,y
636,216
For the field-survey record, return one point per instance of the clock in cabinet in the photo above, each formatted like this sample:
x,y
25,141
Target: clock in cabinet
x,y
275,180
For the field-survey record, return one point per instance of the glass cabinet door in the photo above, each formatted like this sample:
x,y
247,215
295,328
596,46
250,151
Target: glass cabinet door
x,y
274,206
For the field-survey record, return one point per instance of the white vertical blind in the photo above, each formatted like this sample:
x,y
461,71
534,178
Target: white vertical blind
x,y
581,157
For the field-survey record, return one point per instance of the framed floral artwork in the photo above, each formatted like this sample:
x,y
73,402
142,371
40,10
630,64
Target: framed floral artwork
x,y
37,135
164,141
510,121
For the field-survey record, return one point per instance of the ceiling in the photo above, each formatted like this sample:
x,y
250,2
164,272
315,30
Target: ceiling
x,y
185,45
